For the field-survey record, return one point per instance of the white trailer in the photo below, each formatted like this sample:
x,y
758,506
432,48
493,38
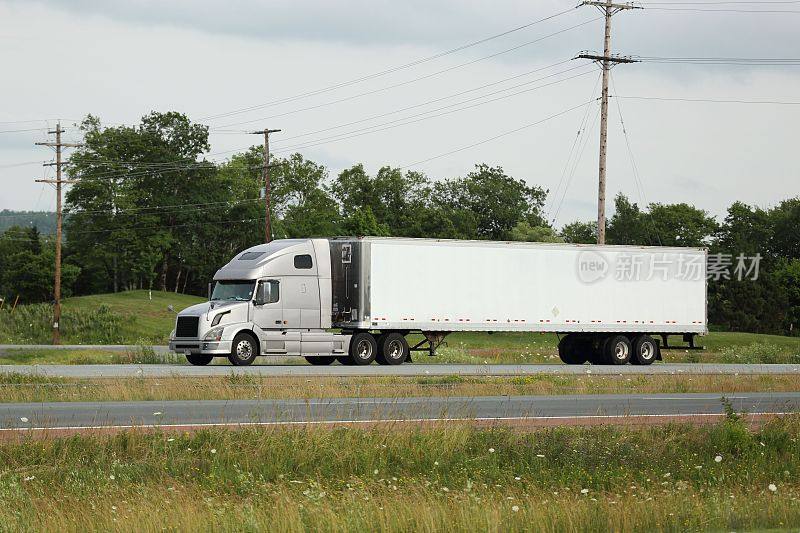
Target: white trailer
x,y
283,298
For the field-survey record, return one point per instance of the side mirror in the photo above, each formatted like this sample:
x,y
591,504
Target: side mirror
x,y
170,308
262,294
209,290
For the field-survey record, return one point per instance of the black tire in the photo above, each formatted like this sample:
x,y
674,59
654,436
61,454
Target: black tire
x,y
573,350
363,348
392,349
595,350
321,360
617,350
645,350
244,350
199,359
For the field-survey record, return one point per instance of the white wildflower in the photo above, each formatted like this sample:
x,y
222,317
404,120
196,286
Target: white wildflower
x,y
718,459
213,450
772,487
157,413
584,491
515,508
491,450
23,418
111,477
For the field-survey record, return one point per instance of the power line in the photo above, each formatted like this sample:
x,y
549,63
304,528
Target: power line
x,y
575,142
707,100
407,82
428,102
412,119
712,10
493,138
387,71
637,180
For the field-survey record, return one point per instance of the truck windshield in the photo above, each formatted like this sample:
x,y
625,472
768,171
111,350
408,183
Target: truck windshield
x,y
238,290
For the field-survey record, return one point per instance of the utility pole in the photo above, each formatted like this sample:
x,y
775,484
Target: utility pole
x,y
606,61
58,145
267,228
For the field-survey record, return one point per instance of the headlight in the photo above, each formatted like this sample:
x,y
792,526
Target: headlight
x,y
214,334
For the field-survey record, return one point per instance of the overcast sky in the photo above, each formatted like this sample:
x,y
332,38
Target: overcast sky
x,y
122,59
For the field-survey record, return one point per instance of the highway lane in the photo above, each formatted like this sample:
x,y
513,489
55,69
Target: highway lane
x,y
306,370
558,409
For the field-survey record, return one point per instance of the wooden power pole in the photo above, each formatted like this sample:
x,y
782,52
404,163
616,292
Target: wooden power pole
x,y
606,61
58,145
267,226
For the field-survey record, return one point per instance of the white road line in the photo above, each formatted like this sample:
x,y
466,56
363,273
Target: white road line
x,y
383,421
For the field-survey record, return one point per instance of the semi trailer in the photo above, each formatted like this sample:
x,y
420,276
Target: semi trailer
x,y
359,300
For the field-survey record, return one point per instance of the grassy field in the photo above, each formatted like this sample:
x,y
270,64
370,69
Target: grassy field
x,y
456,478
36,388
133,318
122,318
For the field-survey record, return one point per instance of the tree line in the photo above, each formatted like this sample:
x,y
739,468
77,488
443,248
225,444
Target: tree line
x,y
149,212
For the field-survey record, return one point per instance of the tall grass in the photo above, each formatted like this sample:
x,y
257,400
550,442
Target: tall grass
x,y
22,387
396,479
32,324
759,352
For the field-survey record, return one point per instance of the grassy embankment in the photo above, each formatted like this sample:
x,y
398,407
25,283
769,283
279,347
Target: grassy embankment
x,y
456,478
132,318
37,388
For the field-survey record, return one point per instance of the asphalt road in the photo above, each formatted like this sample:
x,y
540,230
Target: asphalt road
x,y
85,415
115,371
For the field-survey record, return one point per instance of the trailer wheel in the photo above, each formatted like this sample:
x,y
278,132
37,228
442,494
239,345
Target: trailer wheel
x,y
244,350
617,350
363,348
573,350
392,349
199,359
321,360
645,350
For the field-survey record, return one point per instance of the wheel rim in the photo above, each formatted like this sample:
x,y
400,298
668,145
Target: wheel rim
x,y
647,351
621,351
364,350
395,350
244,350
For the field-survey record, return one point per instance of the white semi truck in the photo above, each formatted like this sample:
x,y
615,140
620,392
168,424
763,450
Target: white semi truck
x,y
357,300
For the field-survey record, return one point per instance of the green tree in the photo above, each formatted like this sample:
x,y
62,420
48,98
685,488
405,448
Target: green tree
x,y
497,201
523,231
580,232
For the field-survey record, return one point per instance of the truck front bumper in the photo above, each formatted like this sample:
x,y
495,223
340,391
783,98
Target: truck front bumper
x,y
196,346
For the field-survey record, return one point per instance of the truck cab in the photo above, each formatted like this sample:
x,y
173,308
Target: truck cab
x,y
271,299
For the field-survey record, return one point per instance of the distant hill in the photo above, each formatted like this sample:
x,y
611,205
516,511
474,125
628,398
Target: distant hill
x,y
45,221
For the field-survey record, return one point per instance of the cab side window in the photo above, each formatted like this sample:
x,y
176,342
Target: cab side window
x,y
269,292
303,261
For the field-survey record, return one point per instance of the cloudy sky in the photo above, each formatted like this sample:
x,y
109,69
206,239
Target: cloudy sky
x,y
247,64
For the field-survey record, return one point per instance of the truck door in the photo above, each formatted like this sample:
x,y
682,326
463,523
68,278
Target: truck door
x,y
267,308
269,316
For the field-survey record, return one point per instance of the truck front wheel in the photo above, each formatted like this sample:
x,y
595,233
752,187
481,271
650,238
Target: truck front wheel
x,y
244,350
199,359
363,348
392,349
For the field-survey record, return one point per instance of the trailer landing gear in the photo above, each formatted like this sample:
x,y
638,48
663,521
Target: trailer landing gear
x,y
433,339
